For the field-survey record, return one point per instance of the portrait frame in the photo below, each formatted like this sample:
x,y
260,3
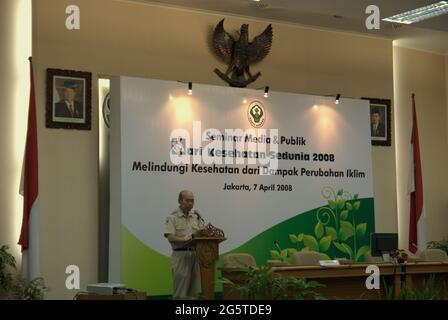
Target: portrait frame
x,y
382,136
69,99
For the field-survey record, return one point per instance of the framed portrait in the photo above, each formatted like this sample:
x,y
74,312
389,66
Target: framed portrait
x,y
69,99
380,121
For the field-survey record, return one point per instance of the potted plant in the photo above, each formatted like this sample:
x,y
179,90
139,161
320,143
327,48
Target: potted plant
x,y
429,290
442,245
15,287
263,283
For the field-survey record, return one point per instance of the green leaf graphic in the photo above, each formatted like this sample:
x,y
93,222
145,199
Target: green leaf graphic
x,y
293,238
356,196
340,192
332,204
311,243
300,237
325,256
361,229
349,206
356,205
344,215
319,230
341,204
340,247
346,231
275,254
324,243
331,232
361,251
349,250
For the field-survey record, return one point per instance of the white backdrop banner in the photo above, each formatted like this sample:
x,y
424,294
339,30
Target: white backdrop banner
x,y
252,162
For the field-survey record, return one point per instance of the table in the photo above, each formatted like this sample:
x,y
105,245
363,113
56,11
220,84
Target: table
x,y
348,281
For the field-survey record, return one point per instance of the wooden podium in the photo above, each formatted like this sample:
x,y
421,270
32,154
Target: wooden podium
x,y
206,243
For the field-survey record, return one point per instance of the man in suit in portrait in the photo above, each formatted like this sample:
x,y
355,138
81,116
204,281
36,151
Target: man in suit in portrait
x,y
68,107
377,128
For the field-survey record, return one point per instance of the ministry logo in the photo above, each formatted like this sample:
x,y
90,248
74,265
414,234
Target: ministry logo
x,y
256,113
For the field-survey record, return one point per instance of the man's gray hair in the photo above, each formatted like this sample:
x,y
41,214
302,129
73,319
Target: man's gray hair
x,y
181,195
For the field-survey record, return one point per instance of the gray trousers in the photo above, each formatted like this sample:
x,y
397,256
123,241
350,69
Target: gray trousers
x,y
186,275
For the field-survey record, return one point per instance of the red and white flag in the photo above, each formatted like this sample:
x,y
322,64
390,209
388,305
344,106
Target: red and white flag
x,y
417,216
29,189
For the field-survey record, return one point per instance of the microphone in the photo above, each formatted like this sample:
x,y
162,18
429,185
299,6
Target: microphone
x,y
278,247
199,216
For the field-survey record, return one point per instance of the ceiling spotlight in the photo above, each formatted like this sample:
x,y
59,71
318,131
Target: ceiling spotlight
x,y
190,88
266,91
338,96
420,14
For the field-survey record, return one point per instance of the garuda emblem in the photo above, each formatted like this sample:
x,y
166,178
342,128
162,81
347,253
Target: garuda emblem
x,y
240,54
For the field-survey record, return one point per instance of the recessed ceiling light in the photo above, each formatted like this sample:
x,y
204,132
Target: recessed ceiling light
x,y
420,14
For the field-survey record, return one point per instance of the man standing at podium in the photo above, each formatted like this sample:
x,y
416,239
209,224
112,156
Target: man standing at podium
x,y
179,227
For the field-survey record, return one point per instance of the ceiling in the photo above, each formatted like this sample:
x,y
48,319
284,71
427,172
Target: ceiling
x,y
344,15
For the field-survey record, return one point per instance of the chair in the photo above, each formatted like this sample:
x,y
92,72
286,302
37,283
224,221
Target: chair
x,y
238,260
307,258
371,259
434,255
